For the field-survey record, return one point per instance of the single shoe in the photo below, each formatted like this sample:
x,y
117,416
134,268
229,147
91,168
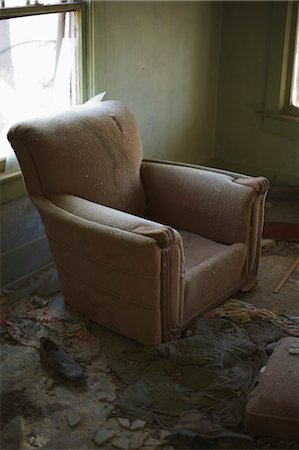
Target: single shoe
x,y
60,363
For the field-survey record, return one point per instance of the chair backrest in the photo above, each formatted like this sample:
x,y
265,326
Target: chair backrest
x,y
93,151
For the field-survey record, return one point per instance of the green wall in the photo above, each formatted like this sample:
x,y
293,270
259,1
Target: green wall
x,y
242,142
162,60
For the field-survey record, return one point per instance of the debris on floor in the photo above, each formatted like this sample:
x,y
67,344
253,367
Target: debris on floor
x,y
201,430
73,418
279,248
28,320
242,312
207,370
266,243
190,393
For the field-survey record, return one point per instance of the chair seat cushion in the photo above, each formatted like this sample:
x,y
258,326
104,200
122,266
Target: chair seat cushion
x,y
273,408
212,269
197,248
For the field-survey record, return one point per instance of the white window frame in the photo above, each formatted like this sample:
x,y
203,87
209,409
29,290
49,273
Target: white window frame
x,y
11,183
75,6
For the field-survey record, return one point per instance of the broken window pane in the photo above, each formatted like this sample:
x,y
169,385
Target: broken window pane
x,y
295,77
20,3
38,68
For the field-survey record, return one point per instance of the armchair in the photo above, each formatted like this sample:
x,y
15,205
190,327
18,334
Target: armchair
x,y
141,246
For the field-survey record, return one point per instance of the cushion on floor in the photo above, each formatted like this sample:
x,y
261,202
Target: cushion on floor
x,y
273,407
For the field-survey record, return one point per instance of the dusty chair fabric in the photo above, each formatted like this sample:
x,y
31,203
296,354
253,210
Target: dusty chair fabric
x,y
141,246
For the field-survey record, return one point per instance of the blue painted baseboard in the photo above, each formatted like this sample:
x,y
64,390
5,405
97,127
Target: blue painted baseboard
x,y
24,246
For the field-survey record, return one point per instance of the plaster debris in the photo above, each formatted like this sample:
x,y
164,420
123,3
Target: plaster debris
x,y
73,418
49,383
102,397
267,243
103,436
124,423
138,439
121,443
40,302
152,442
164,435
138,425
32,439
103,367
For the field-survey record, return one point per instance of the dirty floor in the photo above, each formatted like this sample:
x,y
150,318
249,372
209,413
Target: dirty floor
x,y
39,412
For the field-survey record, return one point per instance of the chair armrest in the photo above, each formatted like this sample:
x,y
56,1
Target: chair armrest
x,y
133,261
164,236
215,205
114,247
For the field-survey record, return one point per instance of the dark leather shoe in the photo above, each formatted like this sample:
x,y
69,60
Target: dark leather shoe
x,y
60,363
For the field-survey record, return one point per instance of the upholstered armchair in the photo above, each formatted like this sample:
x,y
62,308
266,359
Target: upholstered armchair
x,y
141,246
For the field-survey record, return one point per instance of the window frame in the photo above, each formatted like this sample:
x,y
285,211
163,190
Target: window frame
x,y
294,36
75,6
280,117
20,11
11,183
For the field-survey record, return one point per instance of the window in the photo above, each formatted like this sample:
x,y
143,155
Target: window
x,y
39,62
294,94
282,95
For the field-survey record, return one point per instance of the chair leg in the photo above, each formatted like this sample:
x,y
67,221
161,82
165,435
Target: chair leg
x,y
250,286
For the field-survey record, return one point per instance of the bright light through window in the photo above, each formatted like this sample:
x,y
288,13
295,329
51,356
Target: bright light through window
x,y
15,3
295,78
37,68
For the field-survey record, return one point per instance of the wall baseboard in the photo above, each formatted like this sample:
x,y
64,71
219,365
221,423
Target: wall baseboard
x,y
281,231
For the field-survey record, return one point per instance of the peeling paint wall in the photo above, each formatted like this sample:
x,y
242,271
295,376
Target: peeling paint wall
x,y
162,60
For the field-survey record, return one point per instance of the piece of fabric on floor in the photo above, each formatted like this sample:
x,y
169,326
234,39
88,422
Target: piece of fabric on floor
x,y
28,319
212,370
241,312
207,371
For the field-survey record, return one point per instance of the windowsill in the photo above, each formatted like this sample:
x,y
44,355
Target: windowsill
x,y
4,176
12,186
281,124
